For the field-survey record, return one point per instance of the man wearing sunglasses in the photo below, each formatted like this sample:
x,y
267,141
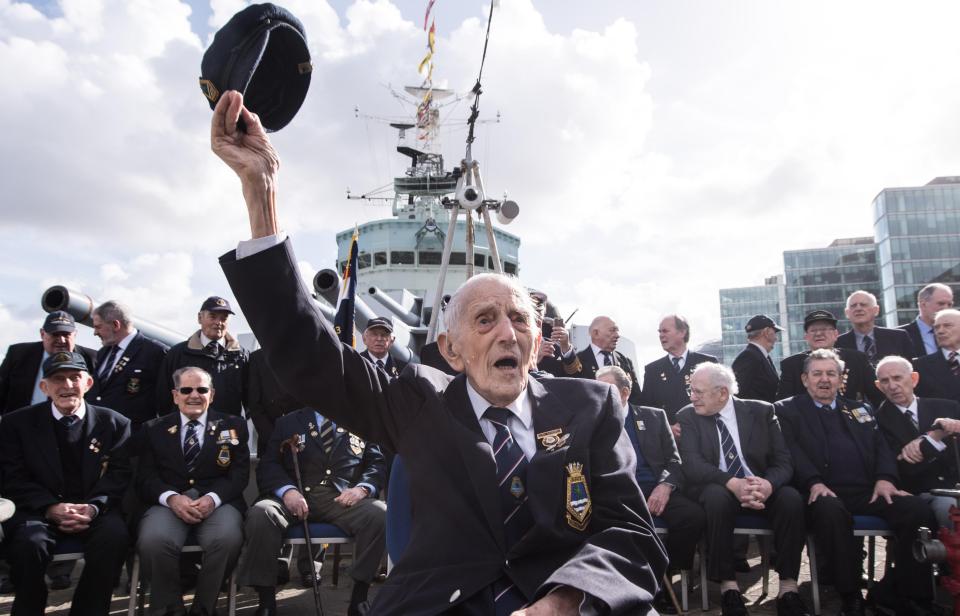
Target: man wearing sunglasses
x,y
194,465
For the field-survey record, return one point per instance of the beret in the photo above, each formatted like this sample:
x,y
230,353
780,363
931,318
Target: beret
x,y
262,53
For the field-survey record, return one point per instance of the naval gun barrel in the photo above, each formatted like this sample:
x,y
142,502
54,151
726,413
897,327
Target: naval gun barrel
x,y
80,306
391,304
326,283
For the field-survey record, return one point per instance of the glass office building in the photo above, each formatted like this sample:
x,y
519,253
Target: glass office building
x,y
737,305
822,278
917,232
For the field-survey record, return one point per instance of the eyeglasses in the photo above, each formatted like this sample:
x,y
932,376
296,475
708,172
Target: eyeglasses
x,y
186,391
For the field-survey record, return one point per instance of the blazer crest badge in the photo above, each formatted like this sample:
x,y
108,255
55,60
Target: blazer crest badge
x,y
579,506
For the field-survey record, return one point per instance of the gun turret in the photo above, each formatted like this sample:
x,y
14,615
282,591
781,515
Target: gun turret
x,y
80,306
390,304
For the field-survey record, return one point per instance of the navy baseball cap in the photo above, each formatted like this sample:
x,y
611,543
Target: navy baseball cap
x,y
759,322
818,315
216,304
59,321
379,322
261,53
64,360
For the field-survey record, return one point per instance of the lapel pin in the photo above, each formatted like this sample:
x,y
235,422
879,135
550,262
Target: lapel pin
x,y
551,439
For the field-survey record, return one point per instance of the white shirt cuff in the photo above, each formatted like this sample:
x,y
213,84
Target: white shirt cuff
x,y
938,445
163,497
247,248
216,499
373,490
284,490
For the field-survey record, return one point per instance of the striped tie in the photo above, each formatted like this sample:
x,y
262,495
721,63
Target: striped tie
x,y
511,479
734,465
954,364
870,349
326,436
607,360
191,445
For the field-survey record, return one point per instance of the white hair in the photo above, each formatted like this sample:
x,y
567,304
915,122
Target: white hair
x,y
453,313
718,375
619,376
895,359
873,298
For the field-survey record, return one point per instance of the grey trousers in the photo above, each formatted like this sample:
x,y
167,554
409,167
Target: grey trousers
x,y
267,521
162,536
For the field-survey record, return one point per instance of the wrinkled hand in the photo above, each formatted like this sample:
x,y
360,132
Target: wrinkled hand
x,y
351,496
911,452
886,490
71,517
817,490
675,428
204,506
546,350
564,601
949,426
184,508
659,498
296,504
561,337
759,488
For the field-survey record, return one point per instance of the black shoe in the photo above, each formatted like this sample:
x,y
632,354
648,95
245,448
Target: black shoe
x,y
662,604
60,582
306,580
731,604
283,573
790,604
6,586
851,605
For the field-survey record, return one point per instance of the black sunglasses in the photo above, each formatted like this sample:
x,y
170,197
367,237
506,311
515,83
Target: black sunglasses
x,y
186,391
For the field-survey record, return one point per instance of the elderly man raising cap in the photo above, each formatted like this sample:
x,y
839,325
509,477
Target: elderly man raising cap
x,y
757,377
378,338
216,351
524,489
64,465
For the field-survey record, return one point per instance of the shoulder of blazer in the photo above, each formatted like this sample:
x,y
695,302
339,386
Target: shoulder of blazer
x,y
658,364
847,340
694,357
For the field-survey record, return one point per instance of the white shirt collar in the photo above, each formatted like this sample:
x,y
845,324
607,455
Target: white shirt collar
x,y
80,414
765,352
123,344
946,353
376,359
519,407
204,341
727,412
682,356
911,407
202,420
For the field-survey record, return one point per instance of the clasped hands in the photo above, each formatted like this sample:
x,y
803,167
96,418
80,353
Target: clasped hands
x,y
190,510
71,517
296,504
752,492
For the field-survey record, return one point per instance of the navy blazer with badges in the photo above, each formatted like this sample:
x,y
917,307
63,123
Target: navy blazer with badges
x,y
130,388
351,461
653,436
936,378
762,445
913,330
393,366
457,546
808,443
858,376
665,388
30,459
888,342
589,367
757,379
18,373
223,465
938,469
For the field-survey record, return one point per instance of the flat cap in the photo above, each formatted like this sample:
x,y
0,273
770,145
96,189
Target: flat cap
x,y
216,304
819,315
59,321
262,53
64,360
379,322
759,322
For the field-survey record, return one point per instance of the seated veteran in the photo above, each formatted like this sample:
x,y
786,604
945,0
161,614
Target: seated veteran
x,y
917,430
735,461
65,468
341,477
845,468
194,466
659,475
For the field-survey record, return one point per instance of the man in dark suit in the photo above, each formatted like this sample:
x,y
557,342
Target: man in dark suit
x,y
916,430
940,371
194,466
21,370
757,378
844,466
65,467
557,356
378,338
604,335
820,332
659,476
554,519
930,300
342,476
665,381
736,461
875,342
128,364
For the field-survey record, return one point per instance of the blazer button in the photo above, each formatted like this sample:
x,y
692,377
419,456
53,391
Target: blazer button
x,y
306,489
328,471
455,595
191,481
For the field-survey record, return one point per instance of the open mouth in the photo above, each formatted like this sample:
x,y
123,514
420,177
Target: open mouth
x,y
506,362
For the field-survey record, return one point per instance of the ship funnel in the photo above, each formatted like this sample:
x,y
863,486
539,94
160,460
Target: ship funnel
x,y
507,212
390,304
80,306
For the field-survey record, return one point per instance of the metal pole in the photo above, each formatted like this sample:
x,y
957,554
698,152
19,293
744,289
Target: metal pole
x,y
295,445
444,264
491,240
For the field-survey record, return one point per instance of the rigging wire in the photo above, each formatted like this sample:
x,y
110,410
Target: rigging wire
x,y
477,89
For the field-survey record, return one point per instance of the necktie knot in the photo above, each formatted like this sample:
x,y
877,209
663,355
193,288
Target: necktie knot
x,y
212,348
381,365
498,415
607,358
69,420
676,363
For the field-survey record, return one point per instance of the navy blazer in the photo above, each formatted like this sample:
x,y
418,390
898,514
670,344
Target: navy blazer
x,y
665,388
936,378
859,378
222,467
18,373
938,468
808,442
589,367
130,387
655,439
393,366
888,342
913,330
457,547
762,445
30,459
757,379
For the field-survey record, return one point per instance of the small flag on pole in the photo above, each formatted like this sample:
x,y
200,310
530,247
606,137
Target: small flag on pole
x,y
343,322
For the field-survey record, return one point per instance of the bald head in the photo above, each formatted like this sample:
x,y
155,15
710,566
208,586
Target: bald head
x,y
604,333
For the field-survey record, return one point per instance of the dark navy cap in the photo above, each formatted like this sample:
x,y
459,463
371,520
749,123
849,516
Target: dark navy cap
x,y
379,322
819,315
216,304
59,321
760,321
64,360
262,53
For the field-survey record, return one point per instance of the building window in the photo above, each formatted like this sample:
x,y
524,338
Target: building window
x,y
458,258
380,258
401,257
363,260
509,268
479,260
430,257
